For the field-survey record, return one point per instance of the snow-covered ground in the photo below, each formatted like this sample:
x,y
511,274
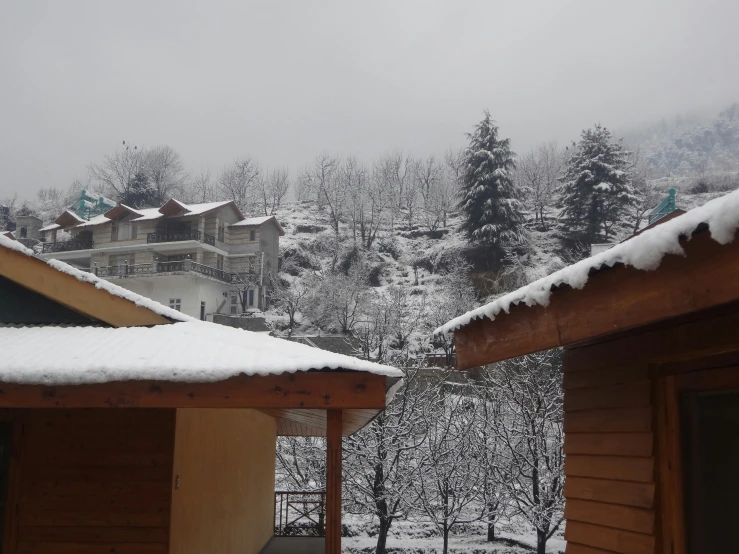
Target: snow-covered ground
x,y
408,537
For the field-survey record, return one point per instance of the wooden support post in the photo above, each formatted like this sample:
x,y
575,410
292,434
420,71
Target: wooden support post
x,y
333,482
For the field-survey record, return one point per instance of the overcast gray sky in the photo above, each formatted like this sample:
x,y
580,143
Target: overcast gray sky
x,y
282,81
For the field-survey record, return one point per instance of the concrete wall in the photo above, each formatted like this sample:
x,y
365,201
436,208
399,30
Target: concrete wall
x,y
190,289
224,464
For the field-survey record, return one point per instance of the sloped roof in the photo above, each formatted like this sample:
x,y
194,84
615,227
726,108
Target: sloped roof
x,y
257,221
644,252
68,218
196,352
7,235
144,214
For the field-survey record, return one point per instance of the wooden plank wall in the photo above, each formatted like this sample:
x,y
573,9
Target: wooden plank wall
x,y
95,481
224,470
610,447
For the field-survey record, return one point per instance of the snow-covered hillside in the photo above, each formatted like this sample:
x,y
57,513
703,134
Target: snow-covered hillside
x,y
416,260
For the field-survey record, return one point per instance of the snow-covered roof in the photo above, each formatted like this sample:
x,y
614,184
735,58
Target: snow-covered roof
x,y
644,251
7,234
97,220
147,214
195,352
99,283
256,221
249,221
51,227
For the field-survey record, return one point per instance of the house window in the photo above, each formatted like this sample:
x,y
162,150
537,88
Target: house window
x,y
252,235
24,232
175,304
202,311
234,303
221,231
219,262
122,231
251,298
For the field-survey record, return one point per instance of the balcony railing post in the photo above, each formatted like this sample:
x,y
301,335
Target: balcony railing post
x,y
96,268
154,265
125,267
187,264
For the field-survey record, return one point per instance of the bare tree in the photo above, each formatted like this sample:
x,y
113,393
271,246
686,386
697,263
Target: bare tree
x,y
387,323
538,174
238,183
52,201
449,473
531,434
454,296
325,180
273,188
355,179
115,175
380,461
201,189
301,463
494,495
647,194
339,300
8,207
166,172
289,297
396,172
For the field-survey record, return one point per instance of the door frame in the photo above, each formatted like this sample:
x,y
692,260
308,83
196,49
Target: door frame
x,y
669,443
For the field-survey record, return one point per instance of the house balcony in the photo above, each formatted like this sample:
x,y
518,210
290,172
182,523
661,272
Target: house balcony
x,y
159,268
179,236
66,246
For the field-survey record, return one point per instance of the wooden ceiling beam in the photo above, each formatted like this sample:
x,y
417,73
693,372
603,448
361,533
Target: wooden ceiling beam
x,y
301,390
613,300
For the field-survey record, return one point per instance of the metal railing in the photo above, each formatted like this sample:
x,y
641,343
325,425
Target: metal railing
x,y
173,237
67,245
154,268
300,514
212,272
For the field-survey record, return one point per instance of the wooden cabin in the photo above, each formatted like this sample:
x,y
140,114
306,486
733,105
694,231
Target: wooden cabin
x,y
650,330
128,427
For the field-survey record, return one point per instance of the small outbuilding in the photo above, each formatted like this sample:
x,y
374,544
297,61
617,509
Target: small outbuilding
x,y
129,427
650,330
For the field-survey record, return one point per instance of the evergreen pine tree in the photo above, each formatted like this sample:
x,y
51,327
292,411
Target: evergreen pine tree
x,y
596,190
490,200
140,193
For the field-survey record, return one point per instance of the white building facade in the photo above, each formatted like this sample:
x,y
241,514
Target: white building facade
x,y
201,259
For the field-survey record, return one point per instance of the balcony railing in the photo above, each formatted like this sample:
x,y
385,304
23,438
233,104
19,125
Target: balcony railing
x,y
300,514
66,246
126,270
180,236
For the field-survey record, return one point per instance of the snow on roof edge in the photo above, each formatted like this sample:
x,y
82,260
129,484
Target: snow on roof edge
x,y
99,283
198,352
644,251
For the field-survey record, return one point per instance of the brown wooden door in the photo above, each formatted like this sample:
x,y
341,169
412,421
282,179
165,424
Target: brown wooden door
x,y
700,461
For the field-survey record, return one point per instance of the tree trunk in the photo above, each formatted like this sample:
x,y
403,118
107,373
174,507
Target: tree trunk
x,y
446,538
491,524
541,542
382,535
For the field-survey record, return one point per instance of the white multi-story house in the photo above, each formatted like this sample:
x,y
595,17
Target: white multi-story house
x,y
201,259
